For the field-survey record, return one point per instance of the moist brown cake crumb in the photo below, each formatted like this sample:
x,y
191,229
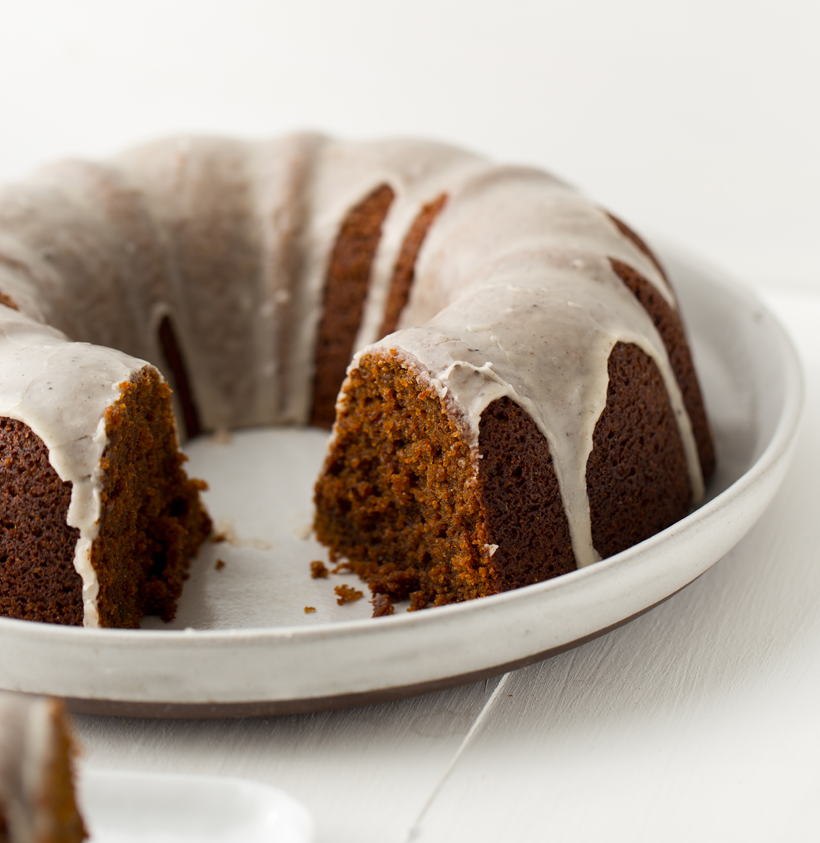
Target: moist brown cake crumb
x,y
220,564
398,498
152,521
318,570
309,609
347,594
382,606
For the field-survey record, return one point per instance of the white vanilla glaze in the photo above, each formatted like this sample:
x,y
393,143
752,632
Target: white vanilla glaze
x,y
231,241
27,733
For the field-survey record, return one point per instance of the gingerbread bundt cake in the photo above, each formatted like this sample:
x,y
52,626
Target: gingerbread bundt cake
x,y
37,800
524,401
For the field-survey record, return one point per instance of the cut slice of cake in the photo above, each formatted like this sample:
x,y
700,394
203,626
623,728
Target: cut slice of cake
x,y
37,799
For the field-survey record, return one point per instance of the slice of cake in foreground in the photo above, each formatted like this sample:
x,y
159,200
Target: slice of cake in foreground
x,y
37,801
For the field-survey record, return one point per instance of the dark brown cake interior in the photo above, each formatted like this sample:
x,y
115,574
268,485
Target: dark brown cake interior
x,y
399,498
153,521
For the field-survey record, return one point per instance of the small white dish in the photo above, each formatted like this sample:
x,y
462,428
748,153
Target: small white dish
x,y
168,808
243,643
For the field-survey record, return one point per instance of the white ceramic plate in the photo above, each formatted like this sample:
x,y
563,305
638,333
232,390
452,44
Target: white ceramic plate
x,y
164,808
243,644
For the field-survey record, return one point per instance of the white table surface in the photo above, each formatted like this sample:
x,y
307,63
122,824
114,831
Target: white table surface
x,y
697,120
695,721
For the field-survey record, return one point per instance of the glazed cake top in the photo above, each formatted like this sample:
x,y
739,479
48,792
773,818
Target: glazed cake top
x,y
514,294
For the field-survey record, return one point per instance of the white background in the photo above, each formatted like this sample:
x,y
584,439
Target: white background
x,y
698,120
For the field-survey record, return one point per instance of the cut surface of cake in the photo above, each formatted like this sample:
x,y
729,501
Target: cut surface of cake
x,y
37,800
521,399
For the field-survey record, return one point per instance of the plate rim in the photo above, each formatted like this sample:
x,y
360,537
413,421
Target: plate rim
x,y
766,470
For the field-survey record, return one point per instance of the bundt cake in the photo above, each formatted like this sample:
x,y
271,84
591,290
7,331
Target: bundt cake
x,y
522,401
37,801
